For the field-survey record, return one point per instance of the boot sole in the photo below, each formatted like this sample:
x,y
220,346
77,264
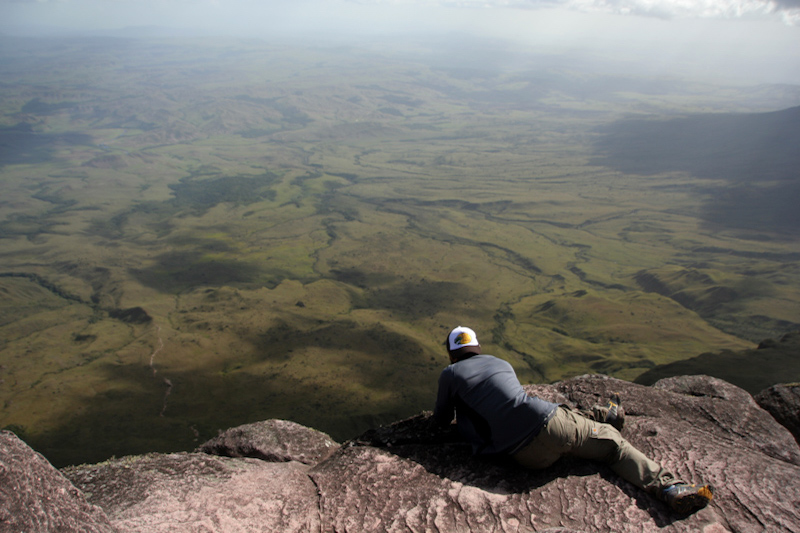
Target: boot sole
x,y
693,502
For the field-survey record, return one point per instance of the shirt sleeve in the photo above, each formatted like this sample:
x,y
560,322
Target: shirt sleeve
x,y
444,412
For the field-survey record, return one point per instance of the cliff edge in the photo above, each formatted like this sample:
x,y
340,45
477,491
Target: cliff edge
x,y
279,476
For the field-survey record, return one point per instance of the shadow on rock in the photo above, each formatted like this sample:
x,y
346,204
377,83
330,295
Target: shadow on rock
x,y
444,453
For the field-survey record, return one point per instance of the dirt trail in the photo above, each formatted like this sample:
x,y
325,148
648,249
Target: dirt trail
x,y
167,382
155,352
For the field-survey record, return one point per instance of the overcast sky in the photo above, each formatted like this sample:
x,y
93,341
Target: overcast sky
x,y
754,41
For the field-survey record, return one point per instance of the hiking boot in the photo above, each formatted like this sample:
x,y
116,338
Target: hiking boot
x,y
686,499
611,412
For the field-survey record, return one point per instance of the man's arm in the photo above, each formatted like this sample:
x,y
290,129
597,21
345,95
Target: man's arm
x,y
444,412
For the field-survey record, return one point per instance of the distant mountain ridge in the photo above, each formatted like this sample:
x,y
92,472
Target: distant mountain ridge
x,y
752,370
746,147
755,153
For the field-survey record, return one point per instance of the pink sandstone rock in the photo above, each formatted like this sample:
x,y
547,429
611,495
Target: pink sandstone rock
x,y
406,477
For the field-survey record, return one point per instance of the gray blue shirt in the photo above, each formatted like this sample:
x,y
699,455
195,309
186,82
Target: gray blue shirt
x,y
492,410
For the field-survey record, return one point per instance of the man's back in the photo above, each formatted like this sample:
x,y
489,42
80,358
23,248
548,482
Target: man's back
x,y
493,411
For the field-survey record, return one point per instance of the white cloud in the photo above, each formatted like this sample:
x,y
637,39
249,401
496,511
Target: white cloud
x,y
789,10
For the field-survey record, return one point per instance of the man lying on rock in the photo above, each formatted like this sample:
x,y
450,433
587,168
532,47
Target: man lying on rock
x,y
496,415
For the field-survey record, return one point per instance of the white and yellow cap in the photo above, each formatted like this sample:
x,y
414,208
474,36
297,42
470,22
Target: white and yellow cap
x,y
461,337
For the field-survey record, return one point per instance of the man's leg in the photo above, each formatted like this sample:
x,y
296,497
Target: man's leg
x,y
569,433
548,446
602,442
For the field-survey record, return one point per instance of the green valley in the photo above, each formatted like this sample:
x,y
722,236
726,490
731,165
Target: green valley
x,y
196,235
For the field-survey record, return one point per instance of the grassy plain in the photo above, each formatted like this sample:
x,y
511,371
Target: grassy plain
x,y
199,235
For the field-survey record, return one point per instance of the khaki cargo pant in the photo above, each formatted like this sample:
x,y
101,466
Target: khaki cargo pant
x,y
569,433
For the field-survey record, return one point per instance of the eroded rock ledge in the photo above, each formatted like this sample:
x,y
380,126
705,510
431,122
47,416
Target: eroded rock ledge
x,y
280,476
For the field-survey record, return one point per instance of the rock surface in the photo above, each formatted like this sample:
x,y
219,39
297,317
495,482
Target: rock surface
x,y
272,440
190,492
35,497
783,403
406,477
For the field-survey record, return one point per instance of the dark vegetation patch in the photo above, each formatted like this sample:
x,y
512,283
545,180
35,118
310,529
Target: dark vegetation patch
x,y
752,370
391,111
59,202
201,244
175,272
21,145
549,304
132,315
193,195
17,225
280,341
300,181
415,299
201,195
39,107
755,153
360,278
